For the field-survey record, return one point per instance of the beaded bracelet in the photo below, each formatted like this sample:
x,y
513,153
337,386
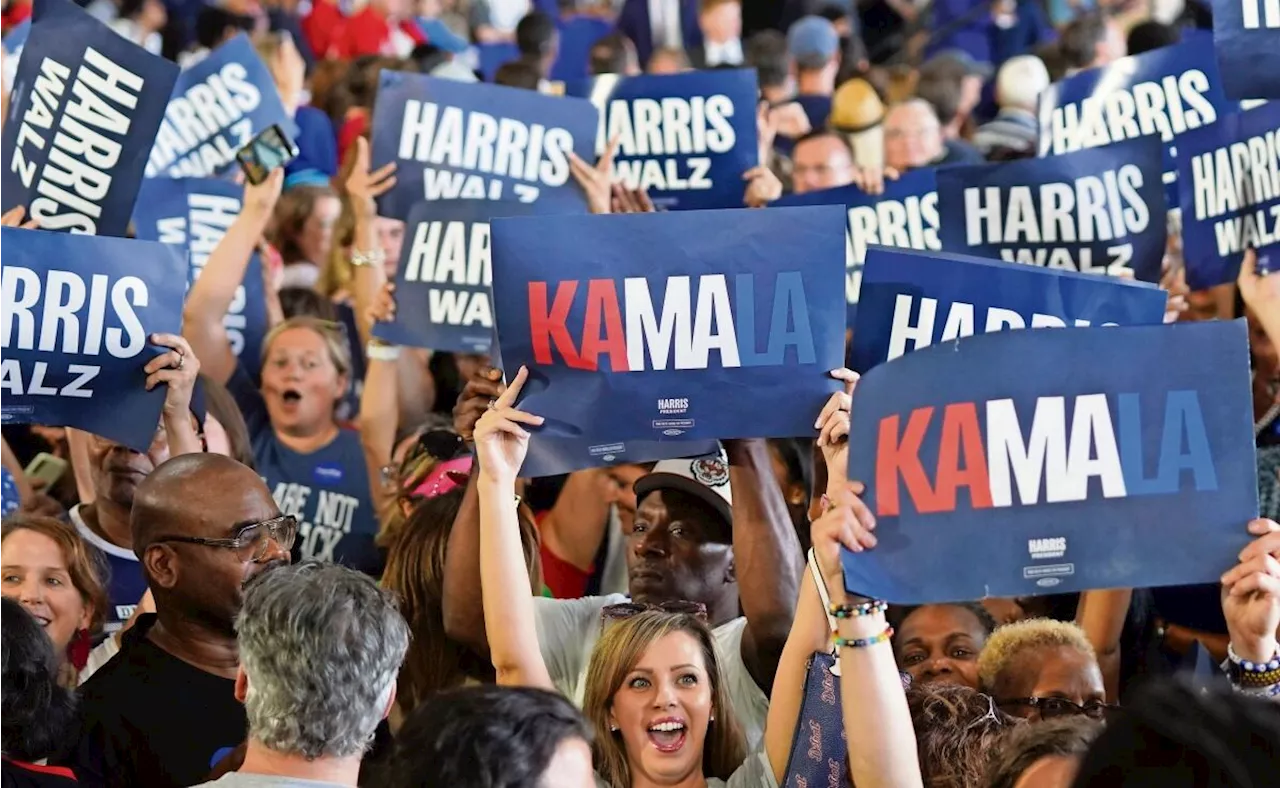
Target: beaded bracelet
x,y
864,642
856,611
1247,673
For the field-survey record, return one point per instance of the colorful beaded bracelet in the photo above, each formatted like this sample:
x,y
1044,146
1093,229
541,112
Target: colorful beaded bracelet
x,y
1247,673
855,611
864,642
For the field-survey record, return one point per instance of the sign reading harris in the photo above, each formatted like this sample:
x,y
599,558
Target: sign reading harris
x,y
992,472
1229,191
687,138
905,216
443,280
75,334
1246,34
912,300
78,131
650,326
1166,91
217,106
475,141
1098,211
194,213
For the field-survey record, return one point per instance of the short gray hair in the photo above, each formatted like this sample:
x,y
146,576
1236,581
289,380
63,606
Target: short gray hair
x,y
322,645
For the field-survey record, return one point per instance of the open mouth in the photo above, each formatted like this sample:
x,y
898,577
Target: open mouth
x,y
291,396
41,620
667,735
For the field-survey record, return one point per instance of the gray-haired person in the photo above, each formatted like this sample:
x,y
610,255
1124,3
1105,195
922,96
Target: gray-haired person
x,y
320,647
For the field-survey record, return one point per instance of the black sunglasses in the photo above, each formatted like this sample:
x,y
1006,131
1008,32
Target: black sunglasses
x,y
252,542
1051,708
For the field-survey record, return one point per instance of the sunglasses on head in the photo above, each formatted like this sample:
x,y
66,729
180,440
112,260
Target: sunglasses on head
x,y
625,610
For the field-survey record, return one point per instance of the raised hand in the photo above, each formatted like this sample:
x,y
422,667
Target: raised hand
x,y
383,307
847,523
631,200
474,400
177,369
763,187
597,181
260,199
871,179
364,187
13,218
833,427
1251,594
501,443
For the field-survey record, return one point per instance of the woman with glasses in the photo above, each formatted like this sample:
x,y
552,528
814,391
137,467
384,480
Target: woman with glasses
x,y
1041,669
313,465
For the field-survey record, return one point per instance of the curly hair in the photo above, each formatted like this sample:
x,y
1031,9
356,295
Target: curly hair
x,y
36,713
956,730
1011,640
1067,736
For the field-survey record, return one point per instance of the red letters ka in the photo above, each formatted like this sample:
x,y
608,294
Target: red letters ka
x,y
547,327
893,458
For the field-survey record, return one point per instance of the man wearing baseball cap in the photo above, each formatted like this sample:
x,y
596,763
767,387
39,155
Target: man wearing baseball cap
x,y
813,45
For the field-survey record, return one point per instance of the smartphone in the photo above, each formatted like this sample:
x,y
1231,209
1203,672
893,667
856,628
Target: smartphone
x,y
272,148
46,468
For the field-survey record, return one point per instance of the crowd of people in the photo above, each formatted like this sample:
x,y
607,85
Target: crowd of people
x,y
327,570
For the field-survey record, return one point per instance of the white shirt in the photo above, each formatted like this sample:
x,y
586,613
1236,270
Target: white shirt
x,y
569,628
664,20
728,53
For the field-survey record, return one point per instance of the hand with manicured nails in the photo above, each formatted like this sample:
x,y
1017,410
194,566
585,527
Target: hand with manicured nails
x,y
13,218
597,181
1251,594
501,443
833,428
177,369
474,400
363,186
848,523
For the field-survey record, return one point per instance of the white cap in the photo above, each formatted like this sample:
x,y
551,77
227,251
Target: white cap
x,y
705,478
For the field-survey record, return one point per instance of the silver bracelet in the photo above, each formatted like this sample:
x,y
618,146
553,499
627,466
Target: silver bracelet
x,y
360,259
378,352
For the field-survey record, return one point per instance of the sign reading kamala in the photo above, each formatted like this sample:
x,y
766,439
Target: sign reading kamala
x,y
75,335
652,325
1246,36
476,141
78,131
1166,91
687,138
444,276
905,216
1229,191
912,300
195,213
1098,211
1016,463
216,108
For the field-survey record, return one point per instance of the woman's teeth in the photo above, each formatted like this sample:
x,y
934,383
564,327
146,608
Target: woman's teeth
x,y
667,727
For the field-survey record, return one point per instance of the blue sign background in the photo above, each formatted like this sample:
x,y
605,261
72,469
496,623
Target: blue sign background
x,y
1141,160
89,193
1210,262
1249,56
905,215
16,38
805,245
705,178
217,106
194,213
455,165
118,406
1142,540
986,285
1185,75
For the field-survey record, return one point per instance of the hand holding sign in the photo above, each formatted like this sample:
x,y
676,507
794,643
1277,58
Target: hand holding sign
x,y
474,400
833,426
260,199
763,187
1251,595
177,369
848,523
363,186
14,216
597,181
501,443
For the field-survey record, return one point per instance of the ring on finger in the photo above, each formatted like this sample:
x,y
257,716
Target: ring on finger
x,y
182,359
493,404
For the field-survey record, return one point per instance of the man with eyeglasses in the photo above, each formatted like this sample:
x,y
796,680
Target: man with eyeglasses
x,y
163,711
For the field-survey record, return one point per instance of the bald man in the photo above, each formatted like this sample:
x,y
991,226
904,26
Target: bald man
x,y
163,710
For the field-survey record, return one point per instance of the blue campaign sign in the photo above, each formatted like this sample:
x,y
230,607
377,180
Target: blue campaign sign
x,y
911,300
654,326
217,106
1229,192
78,312
905,216
1099,211
194,214
1246,37
80,123
443,280
1032,462
1167,91
475,141
686,138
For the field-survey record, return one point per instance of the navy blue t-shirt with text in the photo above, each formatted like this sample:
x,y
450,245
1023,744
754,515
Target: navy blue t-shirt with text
x,y
327,490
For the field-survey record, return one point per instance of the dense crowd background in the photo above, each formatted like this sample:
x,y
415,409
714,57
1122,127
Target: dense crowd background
x,y
644,625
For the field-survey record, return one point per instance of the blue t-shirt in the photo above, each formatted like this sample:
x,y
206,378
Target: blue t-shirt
x,y
125,584
9,502
327,490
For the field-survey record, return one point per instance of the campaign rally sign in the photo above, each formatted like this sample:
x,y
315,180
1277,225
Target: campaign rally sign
x,y
78,312
475,141
1032,462
1099,211
1229,191
911,300
1246,37
217,106
194,213
686,138
1167,91
442,282
78,130
654,326
905,216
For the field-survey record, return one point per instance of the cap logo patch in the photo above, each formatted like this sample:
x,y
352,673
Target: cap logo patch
x,y
711,471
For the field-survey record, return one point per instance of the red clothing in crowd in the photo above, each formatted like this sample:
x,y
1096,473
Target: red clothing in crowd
x,y
17,13
369,33
322,25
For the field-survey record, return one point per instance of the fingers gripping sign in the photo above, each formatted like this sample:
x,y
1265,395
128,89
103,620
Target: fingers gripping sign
x,y
501,441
